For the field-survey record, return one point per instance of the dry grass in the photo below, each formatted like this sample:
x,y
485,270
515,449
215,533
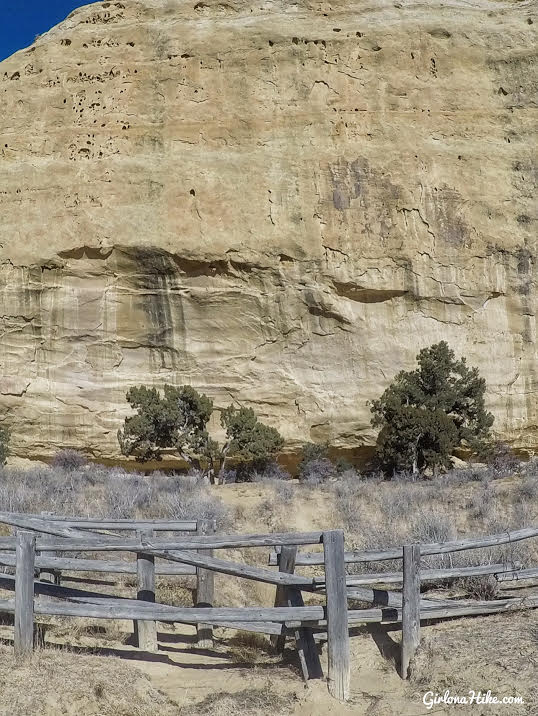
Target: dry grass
x,y
177,591
484,587
75,630
251,648
58,682
376,513
248,702
386,514
498,653
99,491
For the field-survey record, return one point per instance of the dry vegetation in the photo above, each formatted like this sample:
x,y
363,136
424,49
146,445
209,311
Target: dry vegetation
x,y
378,513
58,682
373,512
99,491
499,653
249,702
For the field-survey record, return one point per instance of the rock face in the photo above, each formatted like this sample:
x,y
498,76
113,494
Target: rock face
x,y
278,203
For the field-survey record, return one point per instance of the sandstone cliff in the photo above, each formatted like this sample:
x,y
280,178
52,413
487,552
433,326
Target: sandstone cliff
x,y
278,202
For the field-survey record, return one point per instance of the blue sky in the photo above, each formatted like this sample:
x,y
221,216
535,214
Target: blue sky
x,y
22,20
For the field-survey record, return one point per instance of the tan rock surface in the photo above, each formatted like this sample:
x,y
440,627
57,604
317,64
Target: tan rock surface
x,y
277,202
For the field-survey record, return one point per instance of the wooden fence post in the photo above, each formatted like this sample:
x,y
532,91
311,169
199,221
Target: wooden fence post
x,y
304,638
410,606
146,631
205,588
337,618
24,595
45,575
286,563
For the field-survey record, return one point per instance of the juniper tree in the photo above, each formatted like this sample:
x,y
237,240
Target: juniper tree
x,y
178,419
248,441
426,413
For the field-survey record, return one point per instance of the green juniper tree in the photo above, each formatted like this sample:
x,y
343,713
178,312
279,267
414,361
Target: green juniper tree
x,y
179,419
426,413
248,441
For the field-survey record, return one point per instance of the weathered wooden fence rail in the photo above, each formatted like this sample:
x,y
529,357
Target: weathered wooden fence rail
x,y
41,543
98,565
89,523
316,558
427,575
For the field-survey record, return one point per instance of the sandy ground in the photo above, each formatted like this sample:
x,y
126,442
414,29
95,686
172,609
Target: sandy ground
x,y
499,653
491,653
241,677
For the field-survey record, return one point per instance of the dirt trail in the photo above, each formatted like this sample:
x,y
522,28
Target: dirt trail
x,y
460,659
187,675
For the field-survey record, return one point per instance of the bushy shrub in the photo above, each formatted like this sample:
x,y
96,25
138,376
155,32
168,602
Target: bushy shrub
x,y
501,459
269,472
406,476
462,475
342,465
313,451
127,494
316,472
483,501
402,499
261,470
351,480
530,468
228,477
346,491
191,499
283,490
69,460
528,490
433,526
484,587
315,467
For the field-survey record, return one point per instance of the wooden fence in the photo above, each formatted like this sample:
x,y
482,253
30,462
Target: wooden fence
x,y
44,543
